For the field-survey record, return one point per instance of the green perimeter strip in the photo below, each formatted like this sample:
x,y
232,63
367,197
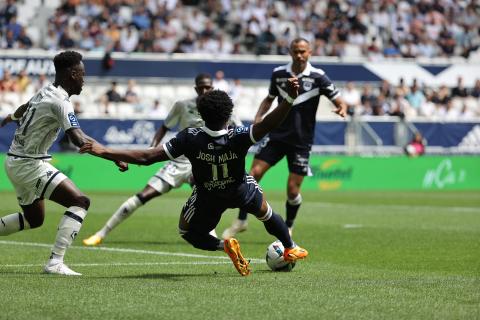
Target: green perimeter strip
x,y
329,173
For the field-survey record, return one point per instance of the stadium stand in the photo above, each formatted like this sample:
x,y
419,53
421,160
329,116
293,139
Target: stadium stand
x,y
416,60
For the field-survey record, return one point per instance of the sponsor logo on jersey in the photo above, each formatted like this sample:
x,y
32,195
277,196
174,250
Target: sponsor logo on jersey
x,y
73,120
241,129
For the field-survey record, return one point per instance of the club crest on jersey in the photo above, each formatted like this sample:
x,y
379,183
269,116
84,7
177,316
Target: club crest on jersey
x,y
73,120
307,85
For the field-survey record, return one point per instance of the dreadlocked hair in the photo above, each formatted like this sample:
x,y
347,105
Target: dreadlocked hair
x,y
66,60
215,108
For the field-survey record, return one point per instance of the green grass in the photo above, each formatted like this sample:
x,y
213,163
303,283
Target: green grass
x,y
373,255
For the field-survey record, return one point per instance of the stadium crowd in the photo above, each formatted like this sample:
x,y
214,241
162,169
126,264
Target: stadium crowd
x,y
415,100
374,29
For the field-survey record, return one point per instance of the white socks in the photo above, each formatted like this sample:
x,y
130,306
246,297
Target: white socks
x,y
122,213
67,231
295,201
13,223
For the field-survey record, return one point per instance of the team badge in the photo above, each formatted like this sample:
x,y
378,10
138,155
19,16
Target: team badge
x,y
73,120
307,85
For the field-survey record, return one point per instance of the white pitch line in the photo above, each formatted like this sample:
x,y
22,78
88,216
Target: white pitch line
x,y
124,250
118,264
394,207
352,226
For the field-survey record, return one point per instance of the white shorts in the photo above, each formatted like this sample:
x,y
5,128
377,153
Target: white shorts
x,y
173,173
32,179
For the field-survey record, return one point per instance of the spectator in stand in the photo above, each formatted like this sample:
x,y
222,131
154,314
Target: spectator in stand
x,y
266,41
111,95
385,89
460,90
415,97
8,12
351,96
476,89
8,83
65,41
219,82
391,50
41,82
416,147
23,81
24,41
128,39
368,99
399,106
131,95
14,27
157,111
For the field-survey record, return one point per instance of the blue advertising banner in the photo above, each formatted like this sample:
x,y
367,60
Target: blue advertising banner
x,y
138,133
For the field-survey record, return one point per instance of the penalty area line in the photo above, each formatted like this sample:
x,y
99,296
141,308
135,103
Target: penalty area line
x,y
124,250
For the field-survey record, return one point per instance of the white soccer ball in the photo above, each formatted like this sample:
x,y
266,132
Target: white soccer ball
x,y
275,259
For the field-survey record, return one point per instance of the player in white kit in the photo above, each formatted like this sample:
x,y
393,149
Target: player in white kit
x,y
27,166
175,173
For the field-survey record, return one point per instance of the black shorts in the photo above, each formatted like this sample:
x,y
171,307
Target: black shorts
x,y
297,158
203,210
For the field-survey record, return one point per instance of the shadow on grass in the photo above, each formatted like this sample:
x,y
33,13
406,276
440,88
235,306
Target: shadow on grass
x,y
171,276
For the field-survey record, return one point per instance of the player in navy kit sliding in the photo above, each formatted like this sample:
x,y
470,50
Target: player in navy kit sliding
x,y
217,154
294,137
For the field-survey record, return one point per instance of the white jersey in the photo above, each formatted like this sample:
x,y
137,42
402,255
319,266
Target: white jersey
x,y
184,113
48,111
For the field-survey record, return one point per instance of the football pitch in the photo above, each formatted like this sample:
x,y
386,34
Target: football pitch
x,y
373,255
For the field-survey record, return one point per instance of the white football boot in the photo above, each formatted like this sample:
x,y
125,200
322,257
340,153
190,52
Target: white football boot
x,y
58,267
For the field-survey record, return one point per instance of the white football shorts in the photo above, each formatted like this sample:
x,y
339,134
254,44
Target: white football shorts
x,y
32,179
173,173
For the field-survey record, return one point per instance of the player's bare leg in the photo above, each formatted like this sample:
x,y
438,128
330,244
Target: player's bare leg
x,y
294,199
77,204
126,209
31,217
259,168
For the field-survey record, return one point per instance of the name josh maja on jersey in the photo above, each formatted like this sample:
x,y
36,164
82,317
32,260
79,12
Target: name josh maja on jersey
x,y
217,158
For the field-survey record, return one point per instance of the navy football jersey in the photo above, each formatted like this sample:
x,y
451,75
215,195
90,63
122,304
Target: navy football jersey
x,y
299,126
217,157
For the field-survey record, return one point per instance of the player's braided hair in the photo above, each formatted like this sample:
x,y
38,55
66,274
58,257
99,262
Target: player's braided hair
x,y
215,108
66,60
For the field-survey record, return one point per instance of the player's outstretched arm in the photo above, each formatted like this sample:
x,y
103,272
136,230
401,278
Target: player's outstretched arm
x,y
263,109
159,136
143,157
340,107
79,139
14,116
276,117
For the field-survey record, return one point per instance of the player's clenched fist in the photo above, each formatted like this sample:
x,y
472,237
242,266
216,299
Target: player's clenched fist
x,y
292,87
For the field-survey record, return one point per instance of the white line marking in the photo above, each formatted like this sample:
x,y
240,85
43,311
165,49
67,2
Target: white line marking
x,y
118,264
124,250
352,226
394,207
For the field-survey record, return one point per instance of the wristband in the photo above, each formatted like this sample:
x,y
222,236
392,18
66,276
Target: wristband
x,y
12,116
289,99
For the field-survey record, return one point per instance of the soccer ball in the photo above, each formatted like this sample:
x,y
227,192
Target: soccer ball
x,y
274,257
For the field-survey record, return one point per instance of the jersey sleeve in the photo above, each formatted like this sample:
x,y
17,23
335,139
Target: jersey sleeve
x,y
173,116
273,90
65,115
327,88
177,146
244,136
